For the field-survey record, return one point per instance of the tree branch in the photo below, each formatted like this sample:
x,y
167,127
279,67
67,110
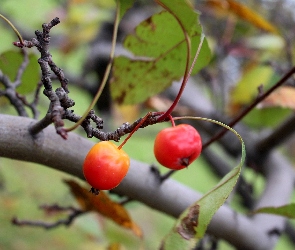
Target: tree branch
x,y
10,91
278,136
73,213
141,184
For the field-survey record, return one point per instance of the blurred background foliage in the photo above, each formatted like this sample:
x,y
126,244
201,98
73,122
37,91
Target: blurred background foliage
x,y
244,47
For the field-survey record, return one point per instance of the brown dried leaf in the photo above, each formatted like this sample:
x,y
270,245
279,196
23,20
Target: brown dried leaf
x,y
104,205
188,224
283,97
242,11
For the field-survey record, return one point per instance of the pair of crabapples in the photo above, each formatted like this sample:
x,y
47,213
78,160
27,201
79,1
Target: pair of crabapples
x,y
106,165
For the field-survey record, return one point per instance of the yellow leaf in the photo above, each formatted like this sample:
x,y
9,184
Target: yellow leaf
x,y
242,11
125,113
247,87
104,205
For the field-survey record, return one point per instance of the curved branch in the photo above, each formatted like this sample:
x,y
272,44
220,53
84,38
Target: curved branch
x,y
279,135
141,184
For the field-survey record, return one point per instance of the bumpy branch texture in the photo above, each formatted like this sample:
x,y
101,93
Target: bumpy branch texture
x,y
141,184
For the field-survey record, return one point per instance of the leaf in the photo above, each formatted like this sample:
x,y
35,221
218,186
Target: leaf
x,y
161,52
265,42
266,117
10,62
283,97
243,12
174,241
193,222
124,6
184,12
248,85
115,246
83,20
123,113
286,210
273,109
104,205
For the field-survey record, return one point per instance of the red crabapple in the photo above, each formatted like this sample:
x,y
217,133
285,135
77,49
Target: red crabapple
x,y
105,166
177,147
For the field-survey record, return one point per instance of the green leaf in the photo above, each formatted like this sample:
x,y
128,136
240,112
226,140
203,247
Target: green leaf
x,y
174,241
286,210
10,62
184,12
161,51
124,6
193,222
267,117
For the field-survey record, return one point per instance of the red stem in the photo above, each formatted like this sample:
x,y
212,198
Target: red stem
x,y
187,74
184,81
135,129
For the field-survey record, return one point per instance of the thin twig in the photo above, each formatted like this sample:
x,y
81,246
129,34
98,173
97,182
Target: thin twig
x,y
73,214
21,41
278,136
11,94
21,68
251,107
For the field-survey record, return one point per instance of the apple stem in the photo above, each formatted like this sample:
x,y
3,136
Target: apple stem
x,y
135,129
184,80
143,120
172,120
14,29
